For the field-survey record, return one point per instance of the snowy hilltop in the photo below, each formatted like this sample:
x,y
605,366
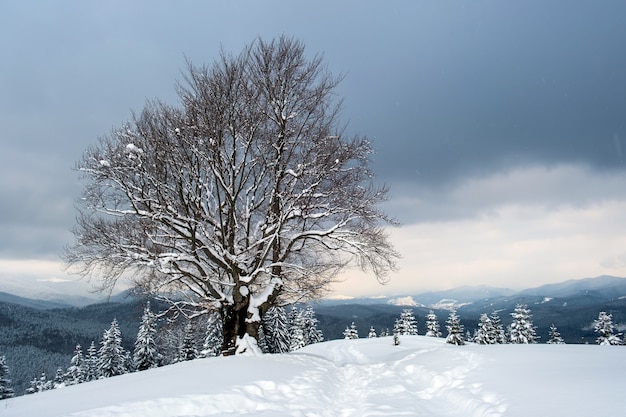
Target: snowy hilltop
x,y
363,377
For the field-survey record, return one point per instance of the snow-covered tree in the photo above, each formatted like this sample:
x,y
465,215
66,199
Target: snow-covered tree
x,y
76,372
521,330
309,327
455,329
499,334
296,329
351,332
188,349
372,333
555,336
91,363
485,334
40,384
146,354
246,194
406,324
111,355
212,345
6,390
604,327
432,325
276,329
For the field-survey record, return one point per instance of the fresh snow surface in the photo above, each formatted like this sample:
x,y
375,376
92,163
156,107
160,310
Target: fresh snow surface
x,y
367,377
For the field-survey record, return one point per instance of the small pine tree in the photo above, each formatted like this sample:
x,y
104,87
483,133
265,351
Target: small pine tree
x,y
111,356
146,355
498,329
432,325
188,350
276,330
213,338
384,332
605,328
6,391
406,324
309,327
372,333
75,373
351,332
555,336
91,363
521,330
455,329
296,330
485,334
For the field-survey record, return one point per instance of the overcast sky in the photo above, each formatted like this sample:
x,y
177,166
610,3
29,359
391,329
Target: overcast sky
x,y
500,126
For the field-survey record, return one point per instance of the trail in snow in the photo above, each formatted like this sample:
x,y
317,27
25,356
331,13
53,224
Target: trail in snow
x,y
367,377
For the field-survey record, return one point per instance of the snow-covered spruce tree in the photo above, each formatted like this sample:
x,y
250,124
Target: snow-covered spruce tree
x,y
499,334
406,324
188,349
111,355
213,339
296,330
246,195
351,332
372,333
521,330
455,329
276,329
604,327
146,354
555,336
485,334
6,390
75,373
432,325
309,327
91,363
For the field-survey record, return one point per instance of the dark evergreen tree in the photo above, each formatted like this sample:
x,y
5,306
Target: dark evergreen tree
x,y
604,327
276,328
455,329
521,330
111,356
432,325
188,350
555,336
146,354
213,339
6,390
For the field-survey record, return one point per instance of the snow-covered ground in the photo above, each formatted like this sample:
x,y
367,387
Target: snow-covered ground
x,y
367,377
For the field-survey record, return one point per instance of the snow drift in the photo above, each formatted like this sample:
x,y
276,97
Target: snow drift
x,y
366,377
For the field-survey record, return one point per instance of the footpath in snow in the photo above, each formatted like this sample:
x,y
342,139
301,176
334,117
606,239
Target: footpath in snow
x,y
367,377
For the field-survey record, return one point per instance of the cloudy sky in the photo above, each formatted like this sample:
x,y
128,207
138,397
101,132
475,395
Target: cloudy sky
x,y
500,126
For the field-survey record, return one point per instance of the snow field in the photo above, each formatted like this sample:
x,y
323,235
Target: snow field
x,y
366,377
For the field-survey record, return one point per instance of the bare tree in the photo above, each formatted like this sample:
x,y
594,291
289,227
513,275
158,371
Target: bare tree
x,y
248,195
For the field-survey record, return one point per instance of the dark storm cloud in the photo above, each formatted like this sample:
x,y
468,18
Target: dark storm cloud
x,y
448,91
